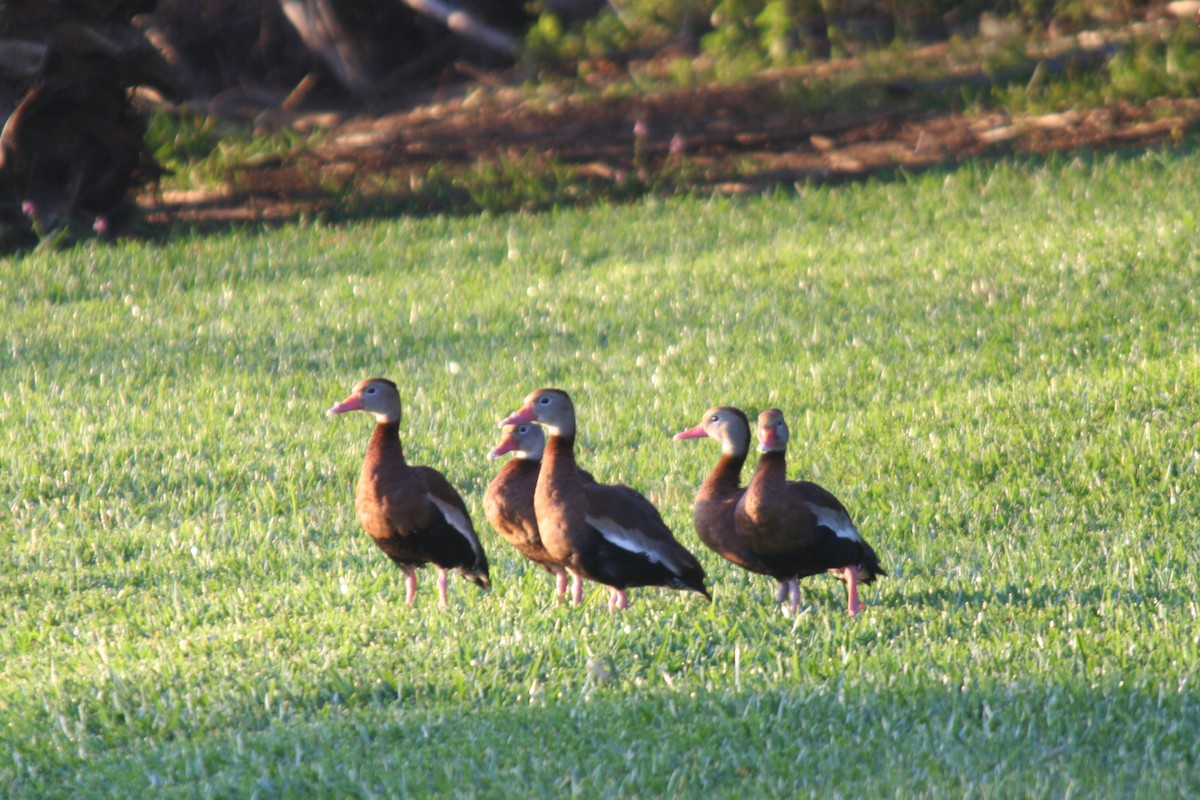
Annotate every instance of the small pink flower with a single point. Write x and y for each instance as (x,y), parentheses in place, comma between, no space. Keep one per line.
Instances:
(29,209)
(100,226)
(678,143)
(640,129)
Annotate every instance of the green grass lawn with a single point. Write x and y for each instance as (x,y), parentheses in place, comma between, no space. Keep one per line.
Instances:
(995,367)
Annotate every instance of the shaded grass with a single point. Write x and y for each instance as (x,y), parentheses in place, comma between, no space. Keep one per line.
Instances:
(1023,75)
(993,366)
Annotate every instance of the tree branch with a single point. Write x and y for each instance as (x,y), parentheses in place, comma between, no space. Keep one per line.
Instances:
(466,25)
(324,35)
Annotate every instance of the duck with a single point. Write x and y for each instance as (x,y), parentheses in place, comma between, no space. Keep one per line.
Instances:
(413,513)
(508,501)
(607,533)
(714,508)
(799,528)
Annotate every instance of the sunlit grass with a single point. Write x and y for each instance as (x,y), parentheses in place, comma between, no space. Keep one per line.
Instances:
(995,367)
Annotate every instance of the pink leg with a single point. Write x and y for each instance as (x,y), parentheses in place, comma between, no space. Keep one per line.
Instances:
(576,587)
(410,581)
(794,594)
(560,583)
(853,605)
(617,599)
(441,584)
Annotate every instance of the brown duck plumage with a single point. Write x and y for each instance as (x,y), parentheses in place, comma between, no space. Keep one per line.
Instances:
(508,502)
(716,501)
(797,528)
(610,534)
(413,513)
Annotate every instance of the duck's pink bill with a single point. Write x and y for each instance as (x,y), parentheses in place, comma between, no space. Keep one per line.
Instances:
(518,417)
(697,432)
(507,445)
(349,404)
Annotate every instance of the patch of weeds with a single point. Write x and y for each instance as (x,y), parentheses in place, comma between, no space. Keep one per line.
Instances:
(513,184)
(1155,67)
(529,183)
(563,48)
(496,186)
(200,150)
(1147,67)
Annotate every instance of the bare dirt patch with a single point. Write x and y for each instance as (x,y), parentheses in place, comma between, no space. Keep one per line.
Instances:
(734,140)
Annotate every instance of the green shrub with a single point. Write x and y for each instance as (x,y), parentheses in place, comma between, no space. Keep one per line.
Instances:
(1156,67)
(740,35)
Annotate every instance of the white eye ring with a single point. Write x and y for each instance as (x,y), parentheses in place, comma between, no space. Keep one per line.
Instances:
(523,429)
(371,390)
(544,400)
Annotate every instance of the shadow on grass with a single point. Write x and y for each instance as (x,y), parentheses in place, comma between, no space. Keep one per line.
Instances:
(775,132)
(558,186)
(828,123)
(913,737)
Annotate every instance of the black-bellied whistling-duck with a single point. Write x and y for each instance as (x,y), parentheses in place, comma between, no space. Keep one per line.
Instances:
(412,513)
(609,534)
(798,528)
(508,503)
(717,499)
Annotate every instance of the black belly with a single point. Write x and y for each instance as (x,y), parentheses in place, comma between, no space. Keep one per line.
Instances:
(604,562)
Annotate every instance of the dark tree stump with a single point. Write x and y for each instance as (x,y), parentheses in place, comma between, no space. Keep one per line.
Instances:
(72,149)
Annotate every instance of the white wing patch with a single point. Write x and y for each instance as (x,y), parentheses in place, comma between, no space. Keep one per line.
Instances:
(457,519)
(836,521)
(632,540)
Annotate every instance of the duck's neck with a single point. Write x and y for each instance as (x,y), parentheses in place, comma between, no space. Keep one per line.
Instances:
(558,496)
(726,476)
(559,456)
(771,469)
(524,466)
(385,444)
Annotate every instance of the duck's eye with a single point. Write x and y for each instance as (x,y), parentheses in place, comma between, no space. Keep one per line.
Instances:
(544,400)
(371,390)
(523,429)
(714,418)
